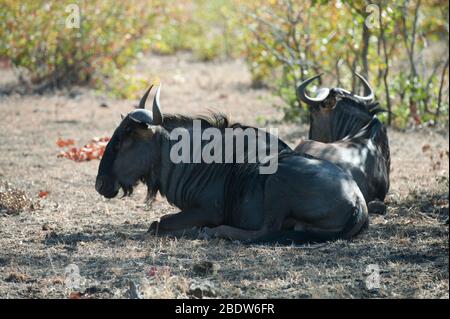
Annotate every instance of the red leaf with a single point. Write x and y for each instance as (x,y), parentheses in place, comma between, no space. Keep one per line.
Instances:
(43,194)
(93,150)
(152,271)
(61,142)
(75,295)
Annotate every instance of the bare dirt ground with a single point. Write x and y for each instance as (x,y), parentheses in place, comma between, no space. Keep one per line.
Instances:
(73,225)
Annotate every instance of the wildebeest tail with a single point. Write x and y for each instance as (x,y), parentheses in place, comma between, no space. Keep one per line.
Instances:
(375,128)
(376,132)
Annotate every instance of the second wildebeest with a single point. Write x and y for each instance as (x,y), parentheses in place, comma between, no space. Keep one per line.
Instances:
(345,130)
(306,200)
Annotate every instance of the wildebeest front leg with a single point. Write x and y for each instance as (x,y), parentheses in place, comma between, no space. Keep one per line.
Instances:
(377,207)
(184,222)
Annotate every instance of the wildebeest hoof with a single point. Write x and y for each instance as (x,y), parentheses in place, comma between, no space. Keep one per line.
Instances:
(153,229)
(206,233)
(377,207)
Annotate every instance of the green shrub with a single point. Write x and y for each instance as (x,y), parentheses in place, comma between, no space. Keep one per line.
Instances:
(288,41)
(282,41)
(47,53)
(209,29)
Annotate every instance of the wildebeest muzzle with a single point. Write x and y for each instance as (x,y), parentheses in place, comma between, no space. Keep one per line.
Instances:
(107,186)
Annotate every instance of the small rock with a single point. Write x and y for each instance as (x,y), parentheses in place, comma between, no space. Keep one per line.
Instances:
(426,147)
(204,268)
(202,289)
(46,227)
(104,105)
(377,207)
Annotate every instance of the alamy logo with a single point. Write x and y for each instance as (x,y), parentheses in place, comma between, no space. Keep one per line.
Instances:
(73,278)
(373,278)
(234,145)
(372,20)
(73,19)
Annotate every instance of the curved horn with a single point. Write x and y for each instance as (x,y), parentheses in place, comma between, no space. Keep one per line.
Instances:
(157,115)
(144,98)
(367,87)
(310,100)
(342,91)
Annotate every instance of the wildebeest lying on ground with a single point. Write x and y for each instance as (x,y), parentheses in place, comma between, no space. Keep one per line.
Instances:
(305,200)
(344,130)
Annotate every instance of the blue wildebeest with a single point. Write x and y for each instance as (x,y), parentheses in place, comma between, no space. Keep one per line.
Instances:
(304,200)
(345,130)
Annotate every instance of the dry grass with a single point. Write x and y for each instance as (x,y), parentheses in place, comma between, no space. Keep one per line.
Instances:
(74,225)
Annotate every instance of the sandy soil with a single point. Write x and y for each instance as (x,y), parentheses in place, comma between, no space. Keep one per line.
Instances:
(75,229)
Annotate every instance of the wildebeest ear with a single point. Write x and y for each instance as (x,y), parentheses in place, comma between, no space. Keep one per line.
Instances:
(122,116)
(375,110)
(329,103)
(157,114)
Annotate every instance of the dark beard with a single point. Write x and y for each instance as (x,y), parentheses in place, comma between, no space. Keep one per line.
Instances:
(152,186)
(127,189)
(152,190)
(151,194)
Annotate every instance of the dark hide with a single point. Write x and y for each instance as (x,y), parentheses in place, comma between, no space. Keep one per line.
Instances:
(303,198)
(346,132)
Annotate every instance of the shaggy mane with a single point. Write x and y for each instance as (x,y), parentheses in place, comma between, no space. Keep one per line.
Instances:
(218,120)
(349,103)
(350,115)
